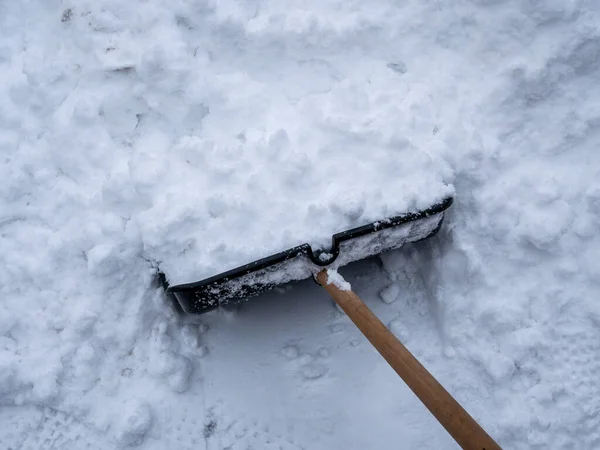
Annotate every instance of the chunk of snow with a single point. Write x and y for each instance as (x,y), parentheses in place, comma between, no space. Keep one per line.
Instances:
(400,330)
(290,352)
(313,372)
(333,277)
(133,422)
(390,293)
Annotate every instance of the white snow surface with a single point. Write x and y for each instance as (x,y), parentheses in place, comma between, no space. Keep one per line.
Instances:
(194,136)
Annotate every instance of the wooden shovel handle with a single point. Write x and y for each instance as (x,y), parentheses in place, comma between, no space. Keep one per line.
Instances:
(461,426)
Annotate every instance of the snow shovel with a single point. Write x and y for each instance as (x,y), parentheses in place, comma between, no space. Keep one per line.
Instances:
(303,262)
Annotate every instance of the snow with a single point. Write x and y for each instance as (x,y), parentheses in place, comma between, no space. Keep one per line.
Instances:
(196,136)
(135,423)
(333,277)
(390,293)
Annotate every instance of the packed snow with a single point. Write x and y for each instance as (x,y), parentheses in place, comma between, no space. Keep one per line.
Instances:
(192,137)
(333,277)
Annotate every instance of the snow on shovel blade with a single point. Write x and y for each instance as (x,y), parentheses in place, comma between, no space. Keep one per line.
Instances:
(302,262)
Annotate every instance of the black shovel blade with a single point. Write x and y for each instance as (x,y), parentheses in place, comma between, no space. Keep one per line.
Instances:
(302,262)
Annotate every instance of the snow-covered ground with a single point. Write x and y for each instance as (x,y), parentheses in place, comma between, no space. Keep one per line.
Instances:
(193,135)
